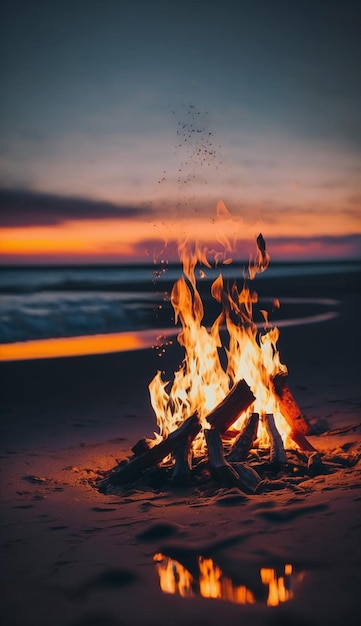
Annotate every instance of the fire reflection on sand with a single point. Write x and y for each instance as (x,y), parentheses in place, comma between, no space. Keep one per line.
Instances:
(265,585)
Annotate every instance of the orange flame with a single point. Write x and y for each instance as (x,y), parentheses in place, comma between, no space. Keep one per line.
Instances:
(201,381)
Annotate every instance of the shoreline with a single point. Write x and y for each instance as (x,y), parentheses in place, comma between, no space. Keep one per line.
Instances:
(303,299)
(69,306)
(108,343)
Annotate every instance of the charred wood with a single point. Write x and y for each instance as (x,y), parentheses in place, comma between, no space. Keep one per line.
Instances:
(155,455)
(245,440)
(141,446)
(182,455)
(220,469)
(240,475)
(277,454)
(226,412)
(249,478)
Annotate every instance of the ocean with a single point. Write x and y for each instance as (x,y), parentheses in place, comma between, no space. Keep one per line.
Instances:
(55,302)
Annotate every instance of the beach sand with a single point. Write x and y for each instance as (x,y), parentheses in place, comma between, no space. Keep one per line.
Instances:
(72,556)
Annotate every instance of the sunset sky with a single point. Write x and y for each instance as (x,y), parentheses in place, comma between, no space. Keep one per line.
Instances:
(125,122)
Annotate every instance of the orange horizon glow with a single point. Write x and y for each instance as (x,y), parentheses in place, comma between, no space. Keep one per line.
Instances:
(120,239)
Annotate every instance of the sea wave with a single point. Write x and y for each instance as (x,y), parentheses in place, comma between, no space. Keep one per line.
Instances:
(27,280)
(41,316)
(42,303)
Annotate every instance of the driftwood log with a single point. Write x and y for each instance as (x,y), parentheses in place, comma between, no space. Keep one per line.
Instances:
(277,454)
(155,455)
(250,479)
(301,441)
(238,475)
(226,412)
(141,446)
(289,407)
(220,469)
(182,455)
(245,439)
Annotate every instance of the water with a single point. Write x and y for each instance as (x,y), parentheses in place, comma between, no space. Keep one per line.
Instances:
(41,303)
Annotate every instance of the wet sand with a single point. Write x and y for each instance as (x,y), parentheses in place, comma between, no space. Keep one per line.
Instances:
(72,556)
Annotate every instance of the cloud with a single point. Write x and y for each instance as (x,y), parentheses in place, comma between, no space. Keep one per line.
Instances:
(309,248)
(24,208)
(324,240)
(280,248)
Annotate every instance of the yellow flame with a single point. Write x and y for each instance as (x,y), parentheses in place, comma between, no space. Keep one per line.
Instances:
(201,381)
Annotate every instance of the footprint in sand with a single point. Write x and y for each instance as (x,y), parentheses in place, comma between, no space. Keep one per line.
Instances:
(101,509)
(288,514)
(106,580)
(158,531)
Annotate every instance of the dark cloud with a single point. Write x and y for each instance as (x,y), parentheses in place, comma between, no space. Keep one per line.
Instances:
(323,239)
(328,247)
(31,208)
(349,246)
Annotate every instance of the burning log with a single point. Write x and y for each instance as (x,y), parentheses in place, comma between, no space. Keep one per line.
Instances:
(250,479)
(245,440)
(238,475)
(226,412)
(277,454)
(220,469)
(289,407)
(141,446)
(136,466)
(301,441)
(182,455)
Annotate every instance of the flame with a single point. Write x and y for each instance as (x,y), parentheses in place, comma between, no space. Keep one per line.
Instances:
(278,590)
(213,584)
(216,358)
(173,577)
(209,581)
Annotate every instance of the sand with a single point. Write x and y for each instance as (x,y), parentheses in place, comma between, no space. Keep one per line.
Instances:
(72,556)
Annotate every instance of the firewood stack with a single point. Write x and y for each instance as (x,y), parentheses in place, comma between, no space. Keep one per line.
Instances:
(224,463)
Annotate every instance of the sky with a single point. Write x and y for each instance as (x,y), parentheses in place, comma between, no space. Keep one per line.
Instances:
(127,126)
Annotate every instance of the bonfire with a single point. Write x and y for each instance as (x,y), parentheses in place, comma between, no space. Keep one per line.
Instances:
(228,415)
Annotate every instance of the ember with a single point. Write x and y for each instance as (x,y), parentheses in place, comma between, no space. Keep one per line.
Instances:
(229,401)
